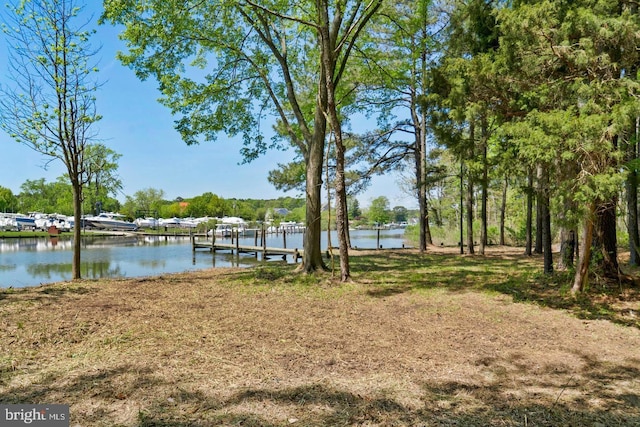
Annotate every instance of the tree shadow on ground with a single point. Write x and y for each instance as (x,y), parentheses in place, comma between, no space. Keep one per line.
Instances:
(519,277)
(45,293)
(513,397)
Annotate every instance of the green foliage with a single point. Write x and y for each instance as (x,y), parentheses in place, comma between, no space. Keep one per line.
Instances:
(399,214)
(298,215)
(287,177)
(102,183)
(209,204)
(353,207)
(8,202)
(39,196)
(378,211)
(147,202)
(198,52)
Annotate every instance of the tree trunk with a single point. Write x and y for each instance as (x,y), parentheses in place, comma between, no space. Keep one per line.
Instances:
(461,243)
(342,224)
(567,249)
(503,209)
(546,233)
(419,119)
(567,236)
(632,218)
(632,202)
(76,273)
(329,64)
(421,190)
(606,240)
(484,240)
(427,228)
(469,198)
(529,220)
(469,213)
(312,256)
(539,211)
(582,272)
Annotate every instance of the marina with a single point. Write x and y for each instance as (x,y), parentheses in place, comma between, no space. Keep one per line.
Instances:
(34,261)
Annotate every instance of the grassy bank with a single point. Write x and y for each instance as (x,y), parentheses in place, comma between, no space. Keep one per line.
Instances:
(433,339)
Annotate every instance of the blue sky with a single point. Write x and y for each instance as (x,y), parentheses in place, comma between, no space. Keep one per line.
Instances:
(141,130)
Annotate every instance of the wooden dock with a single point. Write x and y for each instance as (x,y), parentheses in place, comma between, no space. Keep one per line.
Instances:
(210,243)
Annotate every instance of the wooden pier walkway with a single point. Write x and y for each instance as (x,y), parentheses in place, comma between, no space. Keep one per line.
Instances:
(210,243)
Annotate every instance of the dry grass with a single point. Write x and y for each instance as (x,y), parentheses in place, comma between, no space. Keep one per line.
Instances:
(424,340)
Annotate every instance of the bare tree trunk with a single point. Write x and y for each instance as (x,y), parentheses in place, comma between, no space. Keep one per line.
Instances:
(427,227)
(539,213)
(469,198)
(328,43)
(546,231)
(529,224)
(419,119)
(484,193)
(567,238)
(567,249)
(503,209)
(461,243)
(76,272)
(469,213)
(421,189)
(632,199)
(312,256)
(606,240)
(342,223)
(582,272)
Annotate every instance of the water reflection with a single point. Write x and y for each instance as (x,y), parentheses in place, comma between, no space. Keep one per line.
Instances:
(31,261)
(5,267)
(154,263)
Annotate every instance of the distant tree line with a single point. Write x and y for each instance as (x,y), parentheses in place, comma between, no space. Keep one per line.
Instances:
(55,197)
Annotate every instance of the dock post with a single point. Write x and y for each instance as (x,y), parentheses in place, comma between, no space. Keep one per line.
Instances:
(284,238)
(255,241)
(378,240)
(237,241)
(261,235)
(193,243)
(264,246)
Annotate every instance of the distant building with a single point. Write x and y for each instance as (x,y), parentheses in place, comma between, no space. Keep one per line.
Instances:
(275,212)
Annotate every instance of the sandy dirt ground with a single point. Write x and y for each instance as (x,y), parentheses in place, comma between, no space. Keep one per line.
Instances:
(262,347)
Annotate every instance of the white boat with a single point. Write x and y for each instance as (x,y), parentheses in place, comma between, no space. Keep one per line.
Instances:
(45,221)
(110,221)
(169,222)
(147,222)
(8,222)
(24,221)
(236,223)
(188,223)
(222,230)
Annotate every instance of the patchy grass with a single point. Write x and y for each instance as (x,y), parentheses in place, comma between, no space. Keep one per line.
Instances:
(415,339)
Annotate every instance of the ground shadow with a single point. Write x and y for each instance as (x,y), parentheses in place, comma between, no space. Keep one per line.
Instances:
(44,293)
(519,277)
(322,404)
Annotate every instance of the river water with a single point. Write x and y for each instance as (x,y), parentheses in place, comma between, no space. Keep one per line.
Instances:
(33,261)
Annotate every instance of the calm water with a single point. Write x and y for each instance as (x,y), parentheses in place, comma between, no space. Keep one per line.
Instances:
(33,261)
